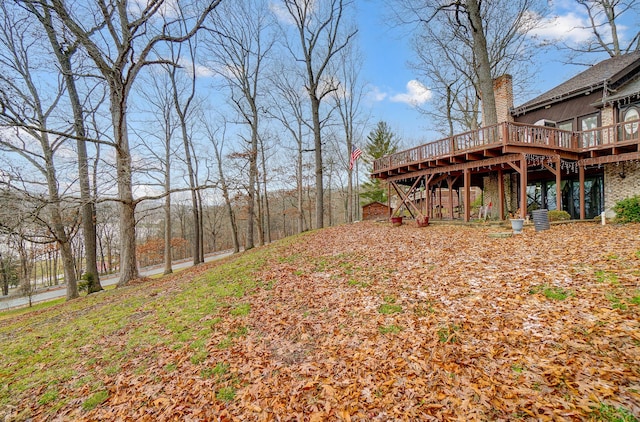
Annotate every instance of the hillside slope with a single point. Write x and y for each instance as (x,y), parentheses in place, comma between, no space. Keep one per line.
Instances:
(358,322)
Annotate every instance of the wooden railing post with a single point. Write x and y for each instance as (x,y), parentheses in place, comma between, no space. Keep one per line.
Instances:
(505,133)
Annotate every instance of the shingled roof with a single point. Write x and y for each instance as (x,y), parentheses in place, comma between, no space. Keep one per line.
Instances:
(610,70)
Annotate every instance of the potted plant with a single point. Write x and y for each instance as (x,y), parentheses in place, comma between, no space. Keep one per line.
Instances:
(396,220)
(422,221)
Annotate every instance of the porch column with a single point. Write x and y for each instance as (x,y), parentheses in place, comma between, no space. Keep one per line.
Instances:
(440,201)
(558,183)
(389,199)
(427,195)
(450,184)
(523,186)
(467,195)
(501,193)
(581,183)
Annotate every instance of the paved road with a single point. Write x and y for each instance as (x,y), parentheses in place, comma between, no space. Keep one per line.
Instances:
(8,302)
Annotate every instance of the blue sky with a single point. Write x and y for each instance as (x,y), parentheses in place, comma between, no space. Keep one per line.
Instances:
(393,84)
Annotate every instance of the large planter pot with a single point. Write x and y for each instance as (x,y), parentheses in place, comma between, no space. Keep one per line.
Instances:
(517,224)
(422,221)
(396,221)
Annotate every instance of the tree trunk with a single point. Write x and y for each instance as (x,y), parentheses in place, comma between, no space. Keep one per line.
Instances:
(128,262)
(227,201)
(485,79)
(167,211)
(300,190)
(265,196)
(317,142)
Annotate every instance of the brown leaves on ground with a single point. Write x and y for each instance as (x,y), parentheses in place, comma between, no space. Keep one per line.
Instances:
(372,322)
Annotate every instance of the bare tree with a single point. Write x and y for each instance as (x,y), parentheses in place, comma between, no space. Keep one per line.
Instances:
(604,24)
(218,148)
(242,38)
(183,88)
(119,44)
(64,50)
(321,33)
(347,100)
(159,96)
(288,107)
(483,40)
(28,106)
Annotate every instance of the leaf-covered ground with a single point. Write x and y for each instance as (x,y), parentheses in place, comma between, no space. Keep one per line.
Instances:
(359,322)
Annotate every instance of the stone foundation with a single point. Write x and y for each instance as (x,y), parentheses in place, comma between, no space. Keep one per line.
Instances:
(621,180)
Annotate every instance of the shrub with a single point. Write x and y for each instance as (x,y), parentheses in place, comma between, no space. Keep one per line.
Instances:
(628,210)
(558,215)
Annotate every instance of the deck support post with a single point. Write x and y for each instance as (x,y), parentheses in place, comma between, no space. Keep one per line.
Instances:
(581,183)
(427,195)
(450,181)
(389,199)
(557,171)
(558,183)
(501,193)
(467,194)
(523,186)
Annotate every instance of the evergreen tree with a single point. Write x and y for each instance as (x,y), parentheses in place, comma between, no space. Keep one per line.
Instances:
(381,141)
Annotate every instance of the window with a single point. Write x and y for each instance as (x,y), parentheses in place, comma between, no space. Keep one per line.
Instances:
(568,125)
(631,129)
(565,138)
(590,136)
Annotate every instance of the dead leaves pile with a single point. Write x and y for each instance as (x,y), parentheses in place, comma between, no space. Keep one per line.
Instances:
(372,322)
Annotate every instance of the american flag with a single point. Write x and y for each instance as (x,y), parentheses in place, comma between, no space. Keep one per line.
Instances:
(355,153)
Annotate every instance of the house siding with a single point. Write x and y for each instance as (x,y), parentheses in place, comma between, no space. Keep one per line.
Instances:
(570,109)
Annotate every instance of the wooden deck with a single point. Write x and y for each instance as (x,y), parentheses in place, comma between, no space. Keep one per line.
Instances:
(503,148)
(497,145)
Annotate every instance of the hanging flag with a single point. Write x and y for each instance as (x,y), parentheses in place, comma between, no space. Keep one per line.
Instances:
(355,153)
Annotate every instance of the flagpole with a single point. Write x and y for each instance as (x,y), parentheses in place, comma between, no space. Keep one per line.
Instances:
(357,198)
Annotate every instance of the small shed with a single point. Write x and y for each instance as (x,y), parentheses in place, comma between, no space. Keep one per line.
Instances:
(374,211)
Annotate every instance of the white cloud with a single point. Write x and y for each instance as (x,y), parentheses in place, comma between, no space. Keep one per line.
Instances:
(281,13)
(201,71)
(417,94)
(375,95)
(571,28)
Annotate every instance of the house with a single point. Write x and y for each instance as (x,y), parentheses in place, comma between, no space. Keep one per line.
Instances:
(576,147)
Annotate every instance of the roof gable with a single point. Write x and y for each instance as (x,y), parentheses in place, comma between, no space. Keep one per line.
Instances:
(611,70)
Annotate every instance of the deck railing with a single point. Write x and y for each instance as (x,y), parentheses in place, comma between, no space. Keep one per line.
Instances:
(609,136)
(513,134)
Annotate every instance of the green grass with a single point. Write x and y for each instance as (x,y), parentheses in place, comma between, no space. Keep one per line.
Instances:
(95,400)
(551,292)
(448,333)
(616,302)
(48,397)
(388,308)
(357,283)
(389,329)
(606,276)
(60,341)
(518,369)
(26,310)
(241,309)
(226,394)
(608,413)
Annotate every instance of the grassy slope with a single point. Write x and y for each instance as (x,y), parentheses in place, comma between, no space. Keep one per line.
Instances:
(359,322)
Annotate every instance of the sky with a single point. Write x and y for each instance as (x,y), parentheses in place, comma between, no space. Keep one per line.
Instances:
(394,88)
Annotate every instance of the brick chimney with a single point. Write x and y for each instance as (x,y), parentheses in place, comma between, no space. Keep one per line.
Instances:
(503,92)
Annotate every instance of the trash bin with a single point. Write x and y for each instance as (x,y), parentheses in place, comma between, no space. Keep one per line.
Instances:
(540,219)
